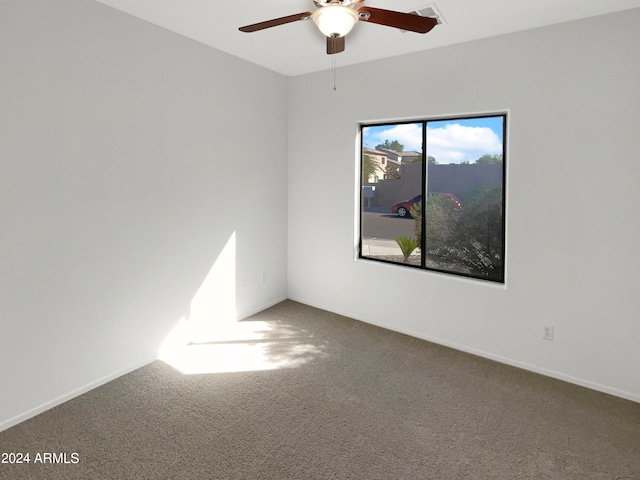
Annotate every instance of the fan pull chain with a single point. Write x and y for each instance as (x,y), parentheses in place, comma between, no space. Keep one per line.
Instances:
(333,70)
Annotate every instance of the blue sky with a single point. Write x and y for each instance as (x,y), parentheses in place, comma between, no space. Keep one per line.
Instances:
(448,141)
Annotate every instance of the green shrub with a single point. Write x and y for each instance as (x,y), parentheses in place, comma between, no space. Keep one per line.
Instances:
(480,230)
(468,239)
(416,214)
(441,221)
(475,239)
(407,245)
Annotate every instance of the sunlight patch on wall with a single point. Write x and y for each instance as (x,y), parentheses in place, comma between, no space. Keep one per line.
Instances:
(214,303)
(212,308)
(212,340)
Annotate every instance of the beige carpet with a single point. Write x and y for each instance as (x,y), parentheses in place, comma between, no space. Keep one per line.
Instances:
(327,397)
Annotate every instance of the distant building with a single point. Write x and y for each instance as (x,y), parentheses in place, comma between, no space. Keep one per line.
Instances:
(400,157)
(384,164)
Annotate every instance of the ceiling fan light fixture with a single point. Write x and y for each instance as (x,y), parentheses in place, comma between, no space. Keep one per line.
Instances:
(335,20)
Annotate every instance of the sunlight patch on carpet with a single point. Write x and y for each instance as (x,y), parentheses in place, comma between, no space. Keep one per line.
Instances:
(225,357)
(212,340)
(244,346)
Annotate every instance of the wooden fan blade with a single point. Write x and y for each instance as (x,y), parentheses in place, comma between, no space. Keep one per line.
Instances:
(335,45)
(275,22)
(401,20)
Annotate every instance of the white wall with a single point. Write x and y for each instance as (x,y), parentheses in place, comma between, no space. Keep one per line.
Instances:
(573,98)
(117,196)
(117,193)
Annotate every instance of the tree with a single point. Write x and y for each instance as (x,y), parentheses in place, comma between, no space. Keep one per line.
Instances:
(369,168)
(489,159)
(395,145)
(392,173)
(418,159)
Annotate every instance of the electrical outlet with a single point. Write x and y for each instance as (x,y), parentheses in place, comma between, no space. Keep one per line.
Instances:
(263,278)
(547,332)
(243,286)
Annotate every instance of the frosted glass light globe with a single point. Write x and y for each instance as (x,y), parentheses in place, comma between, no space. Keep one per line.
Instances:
(335,20)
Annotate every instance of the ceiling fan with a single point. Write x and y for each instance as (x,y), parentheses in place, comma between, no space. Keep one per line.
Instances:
(336,18)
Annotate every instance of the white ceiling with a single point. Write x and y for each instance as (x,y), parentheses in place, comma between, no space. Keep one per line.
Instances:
(298,48)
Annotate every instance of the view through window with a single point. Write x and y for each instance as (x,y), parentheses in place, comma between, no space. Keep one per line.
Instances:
(433,195)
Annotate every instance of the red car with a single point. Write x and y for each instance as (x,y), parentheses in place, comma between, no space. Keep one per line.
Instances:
(402,209)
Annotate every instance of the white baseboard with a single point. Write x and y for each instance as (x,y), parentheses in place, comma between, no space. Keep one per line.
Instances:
(90,386)
(497,358)
(533,368)
(253,311)
(69,396)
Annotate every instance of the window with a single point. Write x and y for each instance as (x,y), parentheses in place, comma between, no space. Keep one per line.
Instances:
(443,209)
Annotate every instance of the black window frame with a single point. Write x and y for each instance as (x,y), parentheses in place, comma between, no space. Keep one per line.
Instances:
(424,122)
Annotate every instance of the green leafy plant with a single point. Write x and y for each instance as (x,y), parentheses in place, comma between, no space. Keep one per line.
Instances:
(470,239)
(407,245)
(416,214)
(441,218)
(479,231)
